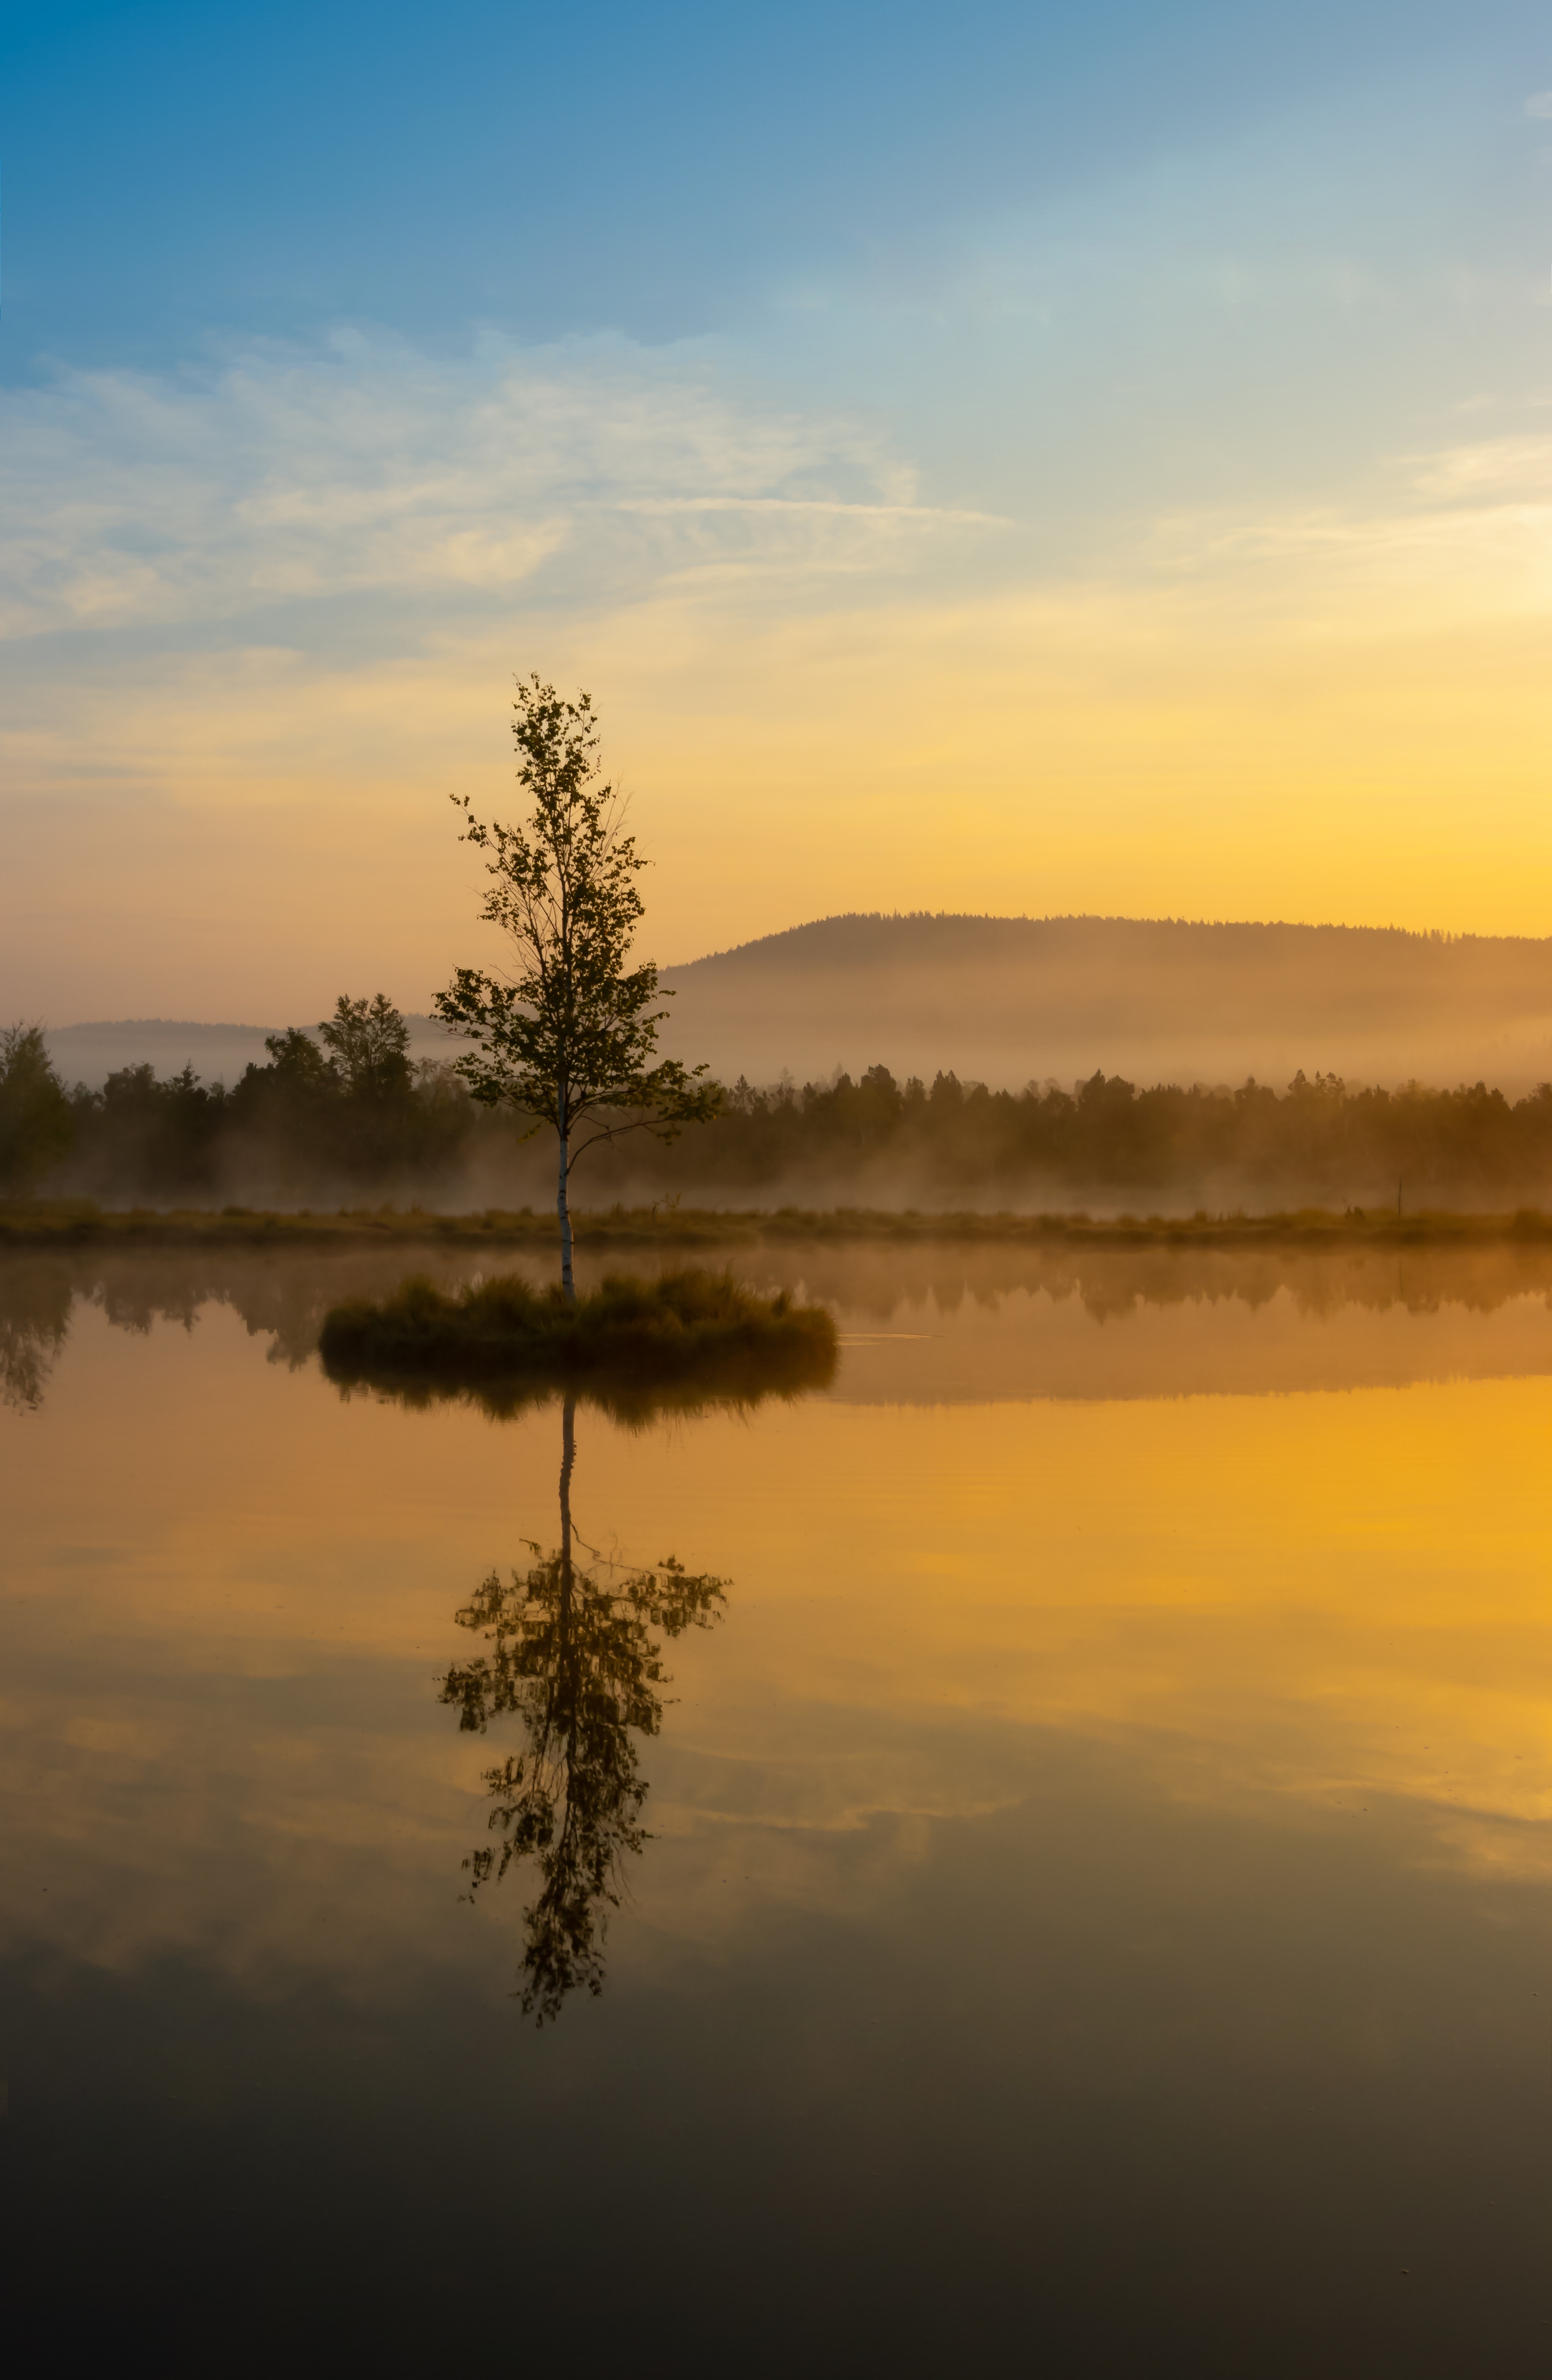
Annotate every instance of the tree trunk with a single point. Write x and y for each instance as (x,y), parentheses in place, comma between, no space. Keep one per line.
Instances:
(562,1209)
(568,1459)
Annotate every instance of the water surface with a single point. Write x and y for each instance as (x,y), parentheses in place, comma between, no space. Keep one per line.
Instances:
(1088,1908)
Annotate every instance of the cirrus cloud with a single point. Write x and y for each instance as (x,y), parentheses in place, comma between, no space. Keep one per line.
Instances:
(278,477)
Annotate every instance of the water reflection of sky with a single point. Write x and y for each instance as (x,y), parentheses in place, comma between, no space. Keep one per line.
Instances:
(1098,1856)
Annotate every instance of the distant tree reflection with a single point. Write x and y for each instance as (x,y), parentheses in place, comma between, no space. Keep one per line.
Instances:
(573,1653)
(35,1300)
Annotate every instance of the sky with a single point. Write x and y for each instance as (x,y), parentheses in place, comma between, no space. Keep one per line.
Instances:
(1009,459)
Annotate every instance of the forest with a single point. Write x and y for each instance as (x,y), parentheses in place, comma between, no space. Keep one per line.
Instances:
(342,1113)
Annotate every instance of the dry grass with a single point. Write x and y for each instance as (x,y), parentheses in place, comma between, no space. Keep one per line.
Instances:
(74,1222)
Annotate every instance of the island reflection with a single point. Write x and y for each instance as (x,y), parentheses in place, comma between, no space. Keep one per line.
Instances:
(1198,1296)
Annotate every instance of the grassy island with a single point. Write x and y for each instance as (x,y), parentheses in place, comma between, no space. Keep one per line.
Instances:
(693,1326)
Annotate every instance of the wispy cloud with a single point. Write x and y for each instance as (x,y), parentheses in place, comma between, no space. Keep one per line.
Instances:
(1462,535)
(278,478)
(292,588)
(1539,104)
(929,515)
(1516,470)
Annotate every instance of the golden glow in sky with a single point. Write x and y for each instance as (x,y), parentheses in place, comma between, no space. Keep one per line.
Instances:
(1164,532)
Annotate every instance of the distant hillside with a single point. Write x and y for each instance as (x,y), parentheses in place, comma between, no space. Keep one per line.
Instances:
(89,1053)
(1008,999)
(1011,999)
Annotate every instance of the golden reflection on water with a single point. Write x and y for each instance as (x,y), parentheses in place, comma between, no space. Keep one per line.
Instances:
(230,1596)
(1336,1596)
(570,1647)
(952,1321)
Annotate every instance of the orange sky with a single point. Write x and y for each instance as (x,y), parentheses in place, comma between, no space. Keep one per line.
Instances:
(1336,721)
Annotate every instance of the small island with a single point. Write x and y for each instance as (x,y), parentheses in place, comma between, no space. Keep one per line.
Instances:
(691,1328)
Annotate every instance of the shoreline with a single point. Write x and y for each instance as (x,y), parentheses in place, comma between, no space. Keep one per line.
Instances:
(82,1223)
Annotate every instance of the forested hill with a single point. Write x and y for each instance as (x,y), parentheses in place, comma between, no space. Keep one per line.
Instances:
(1011,999)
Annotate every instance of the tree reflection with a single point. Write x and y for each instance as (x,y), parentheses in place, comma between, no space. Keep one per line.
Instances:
(35,1300)
(575,1654)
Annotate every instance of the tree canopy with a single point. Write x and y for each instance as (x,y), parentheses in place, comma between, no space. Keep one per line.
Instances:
(36,1124)
(569,1037)
(368,1041)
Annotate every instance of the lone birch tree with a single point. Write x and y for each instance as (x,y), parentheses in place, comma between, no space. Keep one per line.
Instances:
(569,1037)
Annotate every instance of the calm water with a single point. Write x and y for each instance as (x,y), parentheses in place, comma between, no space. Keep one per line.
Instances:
(1094,1910)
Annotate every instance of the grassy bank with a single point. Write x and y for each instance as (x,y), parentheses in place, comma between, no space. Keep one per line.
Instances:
(692,1326)
(80,1222)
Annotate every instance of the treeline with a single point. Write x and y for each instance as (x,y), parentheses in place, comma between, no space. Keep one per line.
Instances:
(347,1110)
(346,1115)
(959,1140)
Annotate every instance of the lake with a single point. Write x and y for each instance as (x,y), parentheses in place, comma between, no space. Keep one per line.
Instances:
(1086,1911)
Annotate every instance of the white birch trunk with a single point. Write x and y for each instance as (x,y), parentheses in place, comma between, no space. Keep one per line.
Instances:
(563,1208)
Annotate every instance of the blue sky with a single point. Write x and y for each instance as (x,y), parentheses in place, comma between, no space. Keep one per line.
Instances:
(661,172)
(351,358)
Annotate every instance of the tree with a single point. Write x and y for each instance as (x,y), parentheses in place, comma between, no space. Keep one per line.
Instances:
(298,1065)
(158,1136)
(370,1044)
(36,1121)
(569,1038)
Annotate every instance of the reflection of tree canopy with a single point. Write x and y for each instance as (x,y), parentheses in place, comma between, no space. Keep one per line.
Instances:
(34,1325)
(573,1654)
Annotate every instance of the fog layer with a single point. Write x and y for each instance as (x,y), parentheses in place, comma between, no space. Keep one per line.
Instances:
(929,1062)
(1004,1000)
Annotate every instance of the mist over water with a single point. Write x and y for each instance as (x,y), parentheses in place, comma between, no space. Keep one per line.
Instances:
(1109,1804)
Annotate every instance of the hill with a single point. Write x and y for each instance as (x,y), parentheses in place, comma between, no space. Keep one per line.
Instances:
(89,1053)
(1008,999)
